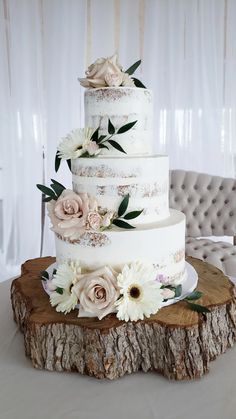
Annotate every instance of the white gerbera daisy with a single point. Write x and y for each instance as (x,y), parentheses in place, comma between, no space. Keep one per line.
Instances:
(141,293)
(66,277)
(74,144)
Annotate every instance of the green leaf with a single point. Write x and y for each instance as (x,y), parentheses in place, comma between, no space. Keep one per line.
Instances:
(103,146)
(138,83)
(69,163)
(126,127)
(122,224)
(178,291)
(85,154)
(58,188)
(57,183)
(111,128)
(47,199)
(54,271)
(59,290)
(44,275)
(132,214)
(195,295)
(197,307)
(101,138)
(133,67)
(57,162)
(95,135)
(123,205)
(117,146)
(47,191)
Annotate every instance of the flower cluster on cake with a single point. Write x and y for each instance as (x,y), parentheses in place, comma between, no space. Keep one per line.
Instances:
(119,247)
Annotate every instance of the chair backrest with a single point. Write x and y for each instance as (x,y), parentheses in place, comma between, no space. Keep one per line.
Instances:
(209,202)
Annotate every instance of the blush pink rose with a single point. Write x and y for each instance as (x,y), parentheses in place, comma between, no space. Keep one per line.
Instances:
(69,213)
(114,79)
(92,148)
(167,293)
(107,218)
(97,292)
(94,220)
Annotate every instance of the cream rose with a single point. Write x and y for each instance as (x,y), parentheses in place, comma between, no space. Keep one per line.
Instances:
(69,213)
(97,292)
(103,72)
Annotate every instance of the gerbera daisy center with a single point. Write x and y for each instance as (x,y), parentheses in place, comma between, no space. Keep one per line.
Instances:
(135,292)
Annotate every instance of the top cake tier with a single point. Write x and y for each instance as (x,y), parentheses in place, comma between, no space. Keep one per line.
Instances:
(122,105)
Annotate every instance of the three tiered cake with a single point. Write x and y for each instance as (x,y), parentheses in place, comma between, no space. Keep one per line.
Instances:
(119,247)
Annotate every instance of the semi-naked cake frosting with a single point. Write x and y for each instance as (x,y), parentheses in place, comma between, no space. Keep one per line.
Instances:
(122,105)
(159,236)
(119,248)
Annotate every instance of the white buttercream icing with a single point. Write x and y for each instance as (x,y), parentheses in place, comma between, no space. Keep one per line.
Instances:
(160,243)
(145,179)
(122,105)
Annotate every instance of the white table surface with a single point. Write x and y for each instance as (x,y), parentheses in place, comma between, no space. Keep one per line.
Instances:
(26,393)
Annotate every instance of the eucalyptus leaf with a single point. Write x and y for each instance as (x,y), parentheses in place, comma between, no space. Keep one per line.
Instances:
(132,214)
(138,83)
(123,205)
(59,290)
(95,135)
(57,183)
(116,146)
(100,139)
(103,146)
(69,163)
(133,67)
(178,291)
(58,189)
(197,307)
(122,224)
(57,162)
(47,199)
(195,295)
(44,275)
(47,191)
(126,127)
(85,154)
(111,128)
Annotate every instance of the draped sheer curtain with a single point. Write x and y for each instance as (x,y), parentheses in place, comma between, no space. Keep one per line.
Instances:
(189,60)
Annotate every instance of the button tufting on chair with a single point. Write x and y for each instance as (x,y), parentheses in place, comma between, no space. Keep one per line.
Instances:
(203,198)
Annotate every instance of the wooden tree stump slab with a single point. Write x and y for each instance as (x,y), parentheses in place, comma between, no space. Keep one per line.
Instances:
(176,342)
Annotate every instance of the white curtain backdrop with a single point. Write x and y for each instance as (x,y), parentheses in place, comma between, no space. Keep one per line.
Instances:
(189,60)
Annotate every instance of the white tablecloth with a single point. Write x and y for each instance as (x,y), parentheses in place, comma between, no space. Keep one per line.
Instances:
(26,393)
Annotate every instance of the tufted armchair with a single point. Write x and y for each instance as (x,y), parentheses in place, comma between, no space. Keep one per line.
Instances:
(209,203)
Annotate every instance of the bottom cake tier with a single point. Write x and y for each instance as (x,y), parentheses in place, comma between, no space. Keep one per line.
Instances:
(161,243)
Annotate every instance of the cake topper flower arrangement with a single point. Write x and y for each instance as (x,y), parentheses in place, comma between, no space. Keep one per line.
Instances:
(107,72)
(88,142)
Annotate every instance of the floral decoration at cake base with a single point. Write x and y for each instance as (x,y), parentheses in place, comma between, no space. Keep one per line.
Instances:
(176,342)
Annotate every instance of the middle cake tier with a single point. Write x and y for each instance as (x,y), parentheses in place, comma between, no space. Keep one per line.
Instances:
(109,179)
